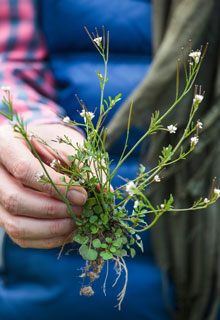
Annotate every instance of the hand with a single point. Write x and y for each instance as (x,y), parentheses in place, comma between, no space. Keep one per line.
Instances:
(30,212)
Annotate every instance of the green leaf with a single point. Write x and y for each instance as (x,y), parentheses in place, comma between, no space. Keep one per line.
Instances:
(142,168)
(132,252)
(138,237)
(106,255)
(117,243)
(104,245)
(108,239)
(140,245)
(63,179)
(104,218)
(83,249)
(96,243)
(90,202)
(93,229)
(71,158)
(80,239)
(118,233)
(93,219)
(170,201)
(88,253)
(97,209)
(113,249)
(87,212)
(121,253)
(124,240)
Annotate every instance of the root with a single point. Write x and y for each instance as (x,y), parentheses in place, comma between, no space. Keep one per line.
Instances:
(120,263)
(106,277)
(87,291)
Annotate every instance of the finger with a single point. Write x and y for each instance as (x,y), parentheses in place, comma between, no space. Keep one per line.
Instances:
(21,163)
(19,200)
(19,227)
(41,244)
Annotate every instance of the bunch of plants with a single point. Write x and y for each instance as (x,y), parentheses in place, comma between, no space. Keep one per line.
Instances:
(107,230)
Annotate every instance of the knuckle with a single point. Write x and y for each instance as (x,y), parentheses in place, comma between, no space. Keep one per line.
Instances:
(10,202)
(55,228)
(50,210)
(20,169)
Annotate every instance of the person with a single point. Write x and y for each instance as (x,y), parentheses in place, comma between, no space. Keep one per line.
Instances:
(33,284)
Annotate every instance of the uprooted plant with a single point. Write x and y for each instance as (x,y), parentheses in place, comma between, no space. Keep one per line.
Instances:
(107,230)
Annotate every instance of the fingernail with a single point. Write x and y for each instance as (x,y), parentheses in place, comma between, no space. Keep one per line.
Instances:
(77,198)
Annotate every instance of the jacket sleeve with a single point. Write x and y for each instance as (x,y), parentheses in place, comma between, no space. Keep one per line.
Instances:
(23,63)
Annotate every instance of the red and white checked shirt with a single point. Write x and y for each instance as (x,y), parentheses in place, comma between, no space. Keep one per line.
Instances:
(23,62)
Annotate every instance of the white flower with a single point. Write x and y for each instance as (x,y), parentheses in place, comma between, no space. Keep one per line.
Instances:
(98,41)
(136,204)
(157,178)
(199,125)
(171,128)
(162,206)
(195,55)
(217,192)
(39,176)
(198,98)
(194,141)
(131,188)
(87,115)
(206,200)
(6,88)
(54,163)
(66,120)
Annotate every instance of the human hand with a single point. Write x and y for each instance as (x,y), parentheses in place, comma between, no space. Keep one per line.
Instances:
(30,212)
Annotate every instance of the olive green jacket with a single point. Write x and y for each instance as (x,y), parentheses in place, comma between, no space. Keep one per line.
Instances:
(186,245)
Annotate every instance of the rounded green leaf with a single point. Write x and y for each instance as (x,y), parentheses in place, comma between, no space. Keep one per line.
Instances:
(104,218)
(118,233)
(94,229)
(108,239)
(106,255)
(83,249)
(121,253)
(87,212)
(113,249)
(88,253)
(96,243)
(93,219)
(80,239)
(91,255)
(97,209)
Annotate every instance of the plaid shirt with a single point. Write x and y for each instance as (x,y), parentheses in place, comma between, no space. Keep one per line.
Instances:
(23,62)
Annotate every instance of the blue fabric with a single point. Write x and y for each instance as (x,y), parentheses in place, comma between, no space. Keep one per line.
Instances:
(34,284)
(37,286)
